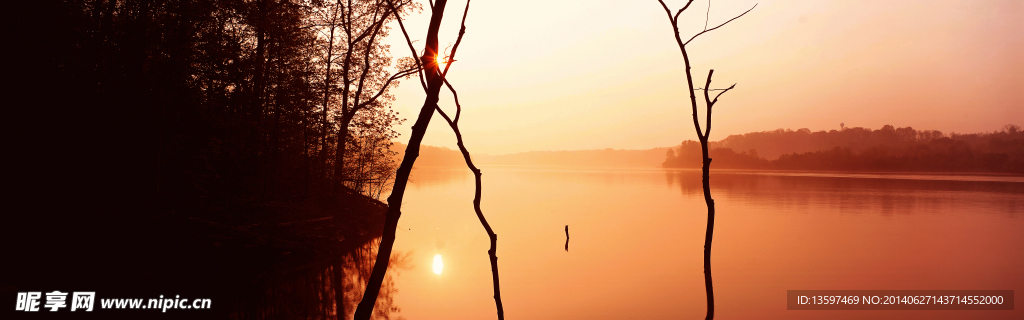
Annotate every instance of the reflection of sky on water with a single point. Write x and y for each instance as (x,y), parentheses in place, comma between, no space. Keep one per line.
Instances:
(432,176)
(638,234)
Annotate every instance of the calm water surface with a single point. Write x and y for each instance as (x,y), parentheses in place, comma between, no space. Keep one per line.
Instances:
(637,237)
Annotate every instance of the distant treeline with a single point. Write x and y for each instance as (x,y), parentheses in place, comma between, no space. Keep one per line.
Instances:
(862,149)
(441,156)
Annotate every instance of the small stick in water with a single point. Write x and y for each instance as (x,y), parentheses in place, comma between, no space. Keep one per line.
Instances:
(567,238)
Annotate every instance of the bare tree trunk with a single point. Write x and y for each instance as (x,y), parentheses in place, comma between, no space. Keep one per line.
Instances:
(339,150)
(434,83)
(339,153)
(492,252)
(708,234)
(703,137)
(705,182)
(349,110)
(706,168)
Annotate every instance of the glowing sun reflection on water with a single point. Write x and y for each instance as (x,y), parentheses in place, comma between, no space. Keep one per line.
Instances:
(438,264)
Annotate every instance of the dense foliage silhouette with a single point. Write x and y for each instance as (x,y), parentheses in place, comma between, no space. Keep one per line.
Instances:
(201,141)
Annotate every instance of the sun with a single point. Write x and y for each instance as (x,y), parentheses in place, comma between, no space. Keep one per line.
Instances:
(438,60)
(438,264)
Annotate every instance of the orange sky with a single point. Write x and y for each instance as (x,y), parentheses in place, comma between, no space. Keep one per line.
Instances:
(594,74)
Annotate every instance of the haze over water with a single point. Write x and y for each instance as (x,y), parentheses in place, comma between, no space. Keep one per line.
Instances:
(636,241)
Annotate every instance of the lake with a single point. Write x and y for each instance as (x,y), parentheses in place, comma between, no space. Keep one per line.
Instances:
(637,237)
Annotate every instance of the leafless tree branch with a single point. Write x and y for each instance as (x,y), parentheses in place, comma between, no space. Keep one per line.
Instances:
(396,76)
(723,92)
(711,103)
(674,20)
(366,59)
(458,107)
(492,252)
(701,89)
(676,16)
(707,15)
(462,31)
(719,26)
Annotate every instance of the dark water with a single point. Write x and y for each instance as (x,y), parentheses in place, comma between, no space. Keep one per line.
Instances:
(637,237)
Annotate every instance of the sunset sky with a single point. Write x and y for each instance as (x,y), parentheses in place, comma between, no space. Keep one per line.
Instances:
(594,74)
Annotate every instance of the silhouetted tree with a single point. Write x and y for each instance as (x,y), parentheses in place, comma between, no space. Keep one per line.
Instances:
(435,77)
(432,84)
(703,137)
(371,165)
(355,80)
(454,124)
(214,110)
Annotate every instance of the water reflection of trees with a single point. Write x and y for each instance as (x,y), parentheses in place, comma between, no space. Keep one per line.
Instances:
(308,291)
(253,262)
(357,267)
(889,195)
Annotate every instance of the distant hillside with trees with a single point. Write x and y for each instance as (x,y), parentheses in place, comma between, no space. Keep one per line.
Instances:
(441,156)
(862,149)
(584,158)
(850,149)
